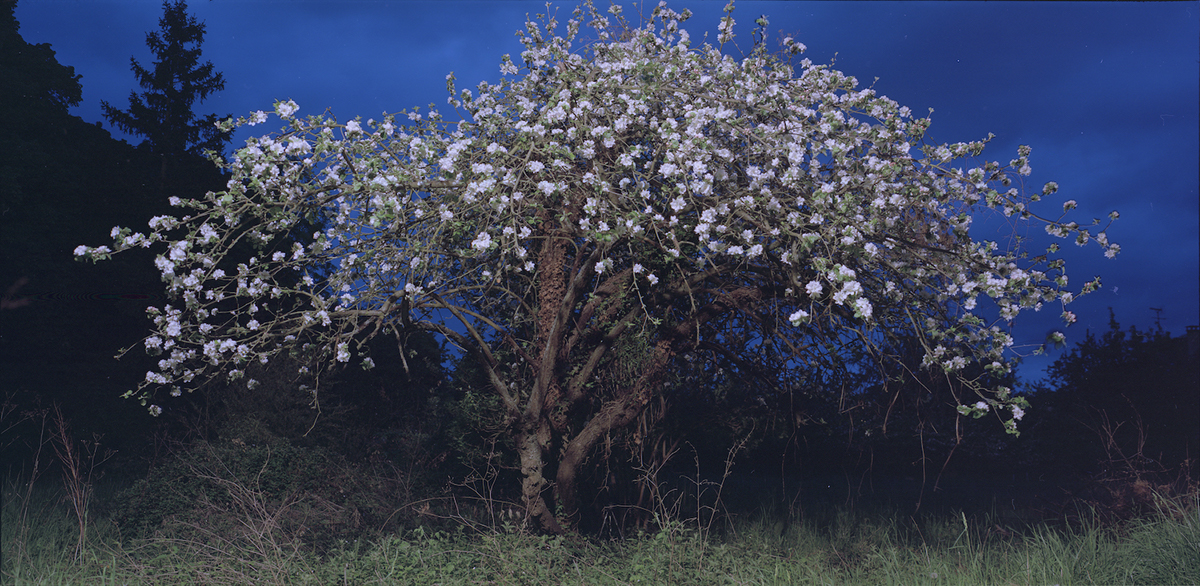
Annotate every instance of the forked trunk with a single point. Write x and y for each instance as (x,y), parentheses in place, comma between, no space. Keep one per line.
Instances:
(622,410)
(613,414)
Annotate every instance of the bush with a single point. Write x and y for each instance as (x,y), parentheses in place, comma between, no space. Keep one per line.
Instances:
(311,493)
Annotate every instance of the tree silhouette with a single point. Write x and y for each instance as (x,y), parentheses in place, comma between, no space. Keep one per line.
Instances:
(1135,390)
(33,77)
(163,113)
(61,177)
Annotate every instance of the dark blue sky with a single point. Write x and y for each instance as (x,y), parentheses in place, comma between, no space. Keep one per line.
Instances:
(1105,93)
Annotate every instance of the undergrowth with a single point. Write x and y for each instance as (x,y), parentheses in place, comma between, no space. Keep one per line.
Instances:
(254,532)
(242,512)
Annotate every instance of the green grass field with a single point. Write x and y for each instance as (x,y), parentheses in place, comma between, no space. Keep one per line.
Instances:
(831,545)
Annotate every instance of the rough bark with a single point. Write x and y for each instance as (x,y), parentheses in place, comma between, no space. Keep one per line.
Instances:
(552,289)
(535,436)
(531,444)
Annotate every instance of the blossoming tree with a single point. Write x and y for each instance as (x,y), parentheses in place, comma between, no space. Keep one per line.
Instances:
(639,185)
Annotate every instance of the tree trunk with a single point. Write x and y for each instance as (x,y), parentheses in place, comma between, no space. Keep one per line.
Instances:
(534,437)
(531,444)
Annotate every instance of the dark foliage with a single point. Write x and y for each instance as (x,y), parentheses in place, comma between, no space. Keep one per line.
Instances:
(63,182)
(1125,395)
(33,78)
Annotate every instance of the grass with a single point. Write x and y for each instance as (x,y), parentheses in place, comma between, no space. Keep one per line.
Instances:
(828,546)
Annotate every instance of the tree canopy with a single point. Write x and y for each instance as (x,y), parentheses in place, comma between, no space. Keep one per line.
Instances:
(163,113)
(619,202)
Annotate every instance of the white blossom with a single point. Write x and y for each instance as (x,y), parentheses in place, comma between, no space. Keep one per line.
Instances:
(286,109)
(482,242)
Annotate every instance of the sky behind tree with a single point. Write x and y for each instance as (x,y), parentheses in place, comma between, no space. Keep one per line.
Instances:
(1105,93)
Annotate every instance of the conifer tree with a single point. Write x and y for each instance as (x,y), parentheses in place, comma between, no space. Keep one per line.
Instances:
(163,113)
